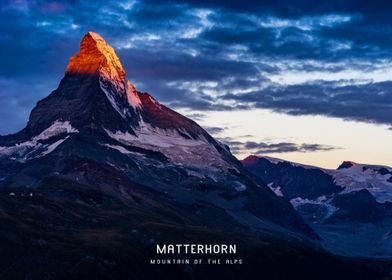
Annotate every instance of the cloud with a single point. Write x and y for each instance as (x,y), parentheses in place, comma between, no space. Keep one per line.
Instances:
(260,148)
(371,102)
(15,101)
(214,130)
(375,11)
(291,147)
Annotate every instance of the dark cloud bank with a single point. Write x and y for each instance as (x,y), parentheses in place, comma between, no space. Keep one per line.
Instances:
(206,55)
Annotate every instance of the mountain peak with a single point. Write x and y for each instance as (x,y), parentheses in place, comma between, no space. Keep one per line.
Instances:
(96,57)
(251,159)
(346,164)
(94,36)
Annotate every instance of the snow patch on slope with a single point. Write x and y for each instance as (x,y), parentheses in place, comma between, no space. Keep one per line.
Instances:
(133,98)
(111,97)
(240,187)
(34,148)
(153,136)
(175,144)
(113,94)
(277,190)
(57,128)
(53,146)
(123,150)
(322,201)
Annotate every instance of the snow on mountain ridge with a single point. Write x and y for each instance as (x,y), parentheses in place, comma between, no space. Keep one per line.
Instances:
(58,127)
(361,176)
(356,177)
(172,143)
(27,150)
(133,98)
(274,160)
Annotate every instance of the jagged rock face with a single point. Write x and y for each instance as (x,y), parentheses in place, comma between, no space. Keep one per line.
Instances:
(358,206)
(292,181)
(345,164)
(93,92)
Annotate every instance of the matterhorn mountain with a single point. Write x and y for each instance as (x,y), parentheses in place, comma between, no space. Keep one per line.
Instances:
(103,172)
(94,97)
(349,207)
(96,121)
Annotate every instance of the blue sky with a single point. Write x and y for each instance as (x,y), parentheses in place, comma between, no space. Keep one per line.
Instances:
(296,59)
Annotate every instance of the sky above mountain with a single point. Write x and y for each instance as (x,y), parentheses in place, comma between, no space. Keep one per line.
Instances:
(305,81)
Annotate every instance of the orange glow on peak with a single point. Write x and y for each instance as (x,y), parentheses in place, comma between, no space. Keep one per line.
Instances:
(96,57)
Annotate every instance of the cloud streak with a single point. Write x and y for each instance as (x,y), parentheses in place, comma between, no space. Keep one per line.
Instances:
(371,102)
(261,148)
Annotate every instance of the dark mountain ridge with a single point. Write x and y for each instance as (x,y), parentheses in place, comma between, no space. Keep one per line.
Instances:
(350,206)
